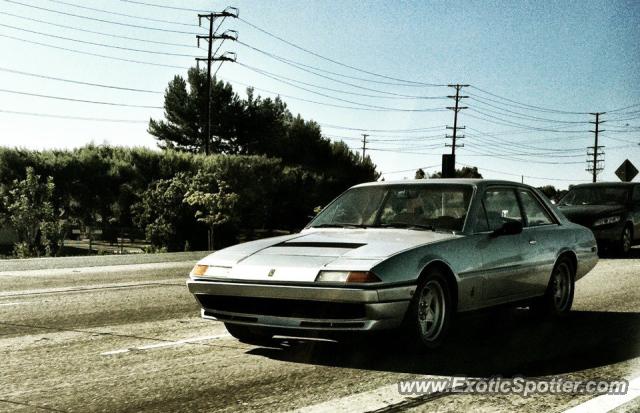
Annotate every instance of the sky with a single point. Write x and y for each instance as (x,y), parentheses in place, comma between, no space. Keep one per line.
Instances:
(535,71)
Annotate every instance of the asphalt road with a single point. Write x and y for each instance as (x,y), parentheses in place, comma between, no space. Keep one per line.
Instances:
(129,338)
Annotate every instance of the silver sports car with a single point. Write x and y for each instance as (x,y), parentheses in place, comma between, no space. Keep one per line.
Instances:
(405,254)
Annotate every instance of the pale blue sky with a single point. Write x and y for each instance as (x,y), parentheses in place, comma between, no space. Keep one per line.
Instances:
(580,56)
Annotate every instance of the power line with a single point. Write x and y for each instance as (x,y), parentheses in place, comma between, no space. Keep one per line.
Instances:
(308,100)
(519,125)
(97,102)
(18,72)
(96,44)
(99,20)
(302,66)
(533,107)
(526,176)
(162,6)
(386,108)
(404,81)
(67,49)
(51,115)
(391,94)
(137,39)
(330,126)
(520,115)
(123,14)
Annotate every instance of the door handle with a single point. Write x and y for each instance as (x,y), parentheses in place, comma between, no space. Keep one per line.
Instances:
(533,242)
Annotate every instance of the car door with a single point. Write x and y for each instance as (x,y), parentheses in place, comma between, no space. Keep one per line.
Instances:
(541,243)
(502,256)
(635,211)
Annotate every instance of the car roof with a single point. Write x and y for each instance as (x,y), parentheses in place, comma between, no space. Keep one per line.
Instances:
(605,184)
(440,181)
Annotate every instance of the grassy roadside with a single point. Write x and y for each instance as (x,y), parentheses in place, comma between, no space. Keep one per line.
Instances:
(98,260)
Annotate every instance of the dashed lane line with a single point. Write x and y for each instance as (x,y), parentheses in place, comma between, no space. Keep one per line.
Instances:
(165,344)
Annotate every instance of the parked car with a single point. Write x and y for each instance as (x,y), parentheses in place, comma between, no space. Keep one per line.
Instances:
(610,209)
(405,254)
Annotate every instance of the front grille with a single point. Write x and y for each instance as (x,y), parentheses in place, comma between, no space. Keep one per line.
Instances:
(282,307)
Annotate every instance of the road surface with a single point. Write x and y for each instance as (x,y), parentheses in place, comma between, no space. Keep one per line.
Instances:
(115,335)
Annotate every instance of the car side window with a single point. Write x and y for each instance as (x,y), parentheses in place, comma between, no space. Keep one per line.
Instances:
(501,205)
(535,213)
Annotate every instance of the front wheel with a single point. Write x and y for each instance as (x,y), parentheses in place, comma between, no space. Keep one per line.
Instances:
(258,336)
(626,241)
(430,313)
(558,298)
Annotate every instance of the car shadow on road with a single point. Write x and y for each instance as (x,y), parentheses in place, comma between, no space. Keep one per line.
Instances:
(504,343)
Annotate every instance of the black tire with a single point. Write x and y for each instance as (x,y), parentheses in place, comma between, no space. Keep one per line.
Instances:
(625,243)
(425,334)
(258,336)
(558,298)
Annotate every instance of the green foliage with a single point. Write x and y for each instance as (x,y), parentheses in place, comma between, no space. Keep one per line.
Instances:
(27,204)
(251,126)
(465,172)
(420,174)
(162,214)
(213,201)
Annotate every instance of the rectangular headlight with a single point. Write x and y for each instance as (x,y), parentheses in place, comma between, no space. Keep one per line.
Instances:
(347,277)
(606,221)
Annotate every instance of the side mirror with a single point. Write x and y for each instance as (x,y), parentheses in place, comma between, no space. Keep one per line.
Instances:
(508,228)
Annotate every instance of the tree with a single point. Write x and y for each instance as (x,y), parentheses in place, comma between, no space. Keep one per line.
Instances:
(465,172)
(28,206)
(214,203)
(163,215)
(420,174)
(185,105)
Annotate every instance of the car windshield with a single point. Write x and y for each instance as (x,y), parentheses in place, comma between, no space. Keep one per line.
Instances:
(435,206)
(596,195)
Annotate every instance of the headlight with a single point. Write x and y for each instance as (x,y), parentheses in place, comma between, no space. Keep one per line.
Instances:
(210,271)
(347,277)
(606,221)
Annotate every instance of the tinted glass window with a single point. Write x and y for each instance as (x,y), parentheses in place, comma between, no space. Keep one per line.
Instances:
(597,195)
(502,206)
(533,210)
(437,206)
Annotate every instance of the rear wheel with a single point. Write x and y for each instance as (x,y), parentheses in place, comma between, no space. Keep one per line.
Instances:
(626,241)
(558,298)
(431,311)
(259,336)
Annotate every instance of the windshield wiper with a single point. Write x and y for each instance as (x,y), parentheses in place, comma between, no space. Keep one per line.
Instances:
(407,226)
(339,226)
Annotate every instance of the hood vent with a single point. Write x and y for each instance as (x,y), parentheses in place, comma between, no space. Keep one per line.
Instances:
(345,245)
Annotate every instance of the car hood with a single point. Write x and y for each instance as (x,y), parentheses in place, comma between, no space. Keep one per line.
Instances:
(587,214)
(301,256)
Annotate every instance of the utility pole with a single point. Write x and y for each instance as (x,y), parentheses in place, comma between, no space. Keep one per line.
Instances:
(456,108)
(595,164)
(364,145)
(228,12)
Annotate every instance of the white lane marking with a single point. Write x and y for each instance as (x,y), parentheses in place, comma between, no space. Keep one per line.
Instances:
(99,269)
(86,288)
(8,304)
(608,402)
(166,344)
(372,400)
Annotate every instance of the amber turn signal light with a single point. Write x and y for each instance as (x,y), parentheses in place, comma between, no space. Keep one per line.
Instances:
(199,270)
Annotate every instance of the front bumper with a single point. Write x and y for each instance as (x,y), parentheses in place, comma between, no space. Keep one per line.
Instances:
(296,307)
